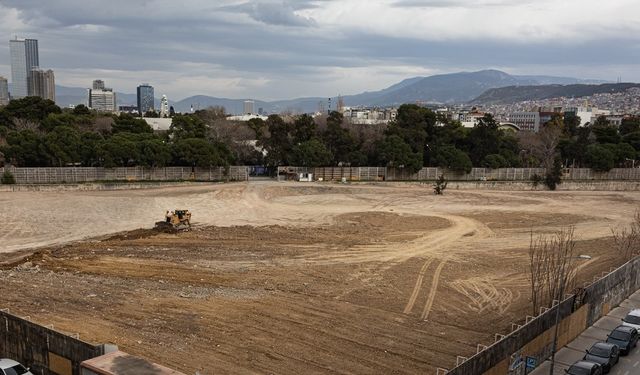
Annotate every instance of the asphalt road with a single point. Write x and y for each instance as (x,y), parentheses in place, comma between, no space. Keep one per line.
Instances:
(575,350)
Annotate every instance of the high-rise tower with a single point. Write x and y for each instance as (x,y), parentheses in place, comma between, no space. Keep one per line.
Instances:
(145,98)
(24,58)
(42,83)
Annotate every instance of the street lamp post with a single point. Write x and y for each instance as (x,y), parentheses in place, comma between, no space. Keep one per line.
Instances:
(557,321)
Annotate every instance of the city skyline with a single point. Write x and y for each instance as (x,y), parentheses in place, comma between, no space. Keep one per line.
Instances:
(282,49)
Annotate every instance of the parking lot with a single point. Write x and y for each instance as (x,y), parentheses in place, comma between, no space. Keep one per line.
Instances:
(598,332)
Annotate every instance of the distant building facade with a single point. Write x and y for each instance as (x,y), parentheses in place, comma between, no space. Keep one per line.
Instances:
(146,98)
(4,91)
(526,121)
(249,107)
(42,83)
(98,84)
(102,100)
(24,58)
(369,116)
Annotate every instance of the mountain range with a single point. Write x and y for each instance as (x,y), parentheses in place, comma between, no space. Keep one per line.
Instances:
(437,89)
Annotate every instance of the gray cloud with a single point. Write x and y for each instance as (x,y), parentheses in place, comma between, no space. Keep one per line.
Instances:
(275,49)
(275,13)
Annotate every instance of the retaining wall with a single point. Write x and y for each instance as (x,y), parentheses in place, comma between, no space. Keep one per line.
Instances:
(44,350)
(534,339)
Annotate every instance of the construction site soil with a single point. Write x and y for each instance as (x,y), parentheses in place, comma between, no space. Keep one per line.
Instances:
(285,278)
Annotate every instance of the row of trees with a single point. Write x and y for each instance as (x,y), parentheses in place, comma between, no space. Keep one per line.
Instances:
(35,132)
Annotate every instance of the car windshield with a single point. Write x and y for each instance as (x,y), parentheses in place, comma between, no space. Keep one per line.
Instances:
(15,370)
(574,370)
(599,352)
(632,319)
(617,335)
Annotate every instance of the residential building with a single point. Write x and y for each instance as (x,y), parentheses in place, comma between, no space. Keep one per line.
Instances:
(24,58)
(249,107)
(42,83)
(4,91)
(164,106)
(146,98)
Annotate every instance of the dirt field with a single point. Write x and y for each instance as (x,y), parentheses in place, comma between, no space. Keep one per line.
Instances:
(291,278)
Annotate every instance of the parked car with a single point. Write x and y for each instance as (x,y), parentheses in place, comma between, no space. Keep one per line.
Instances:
(632,319)
(11,367)
(605,354)
(584,368)
(625,337)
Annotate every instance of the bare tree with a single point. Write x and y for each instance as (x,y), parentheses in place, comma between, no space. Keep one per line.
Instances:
(552,267)
(26,124)
(542,145)
(627,240)
(537,256)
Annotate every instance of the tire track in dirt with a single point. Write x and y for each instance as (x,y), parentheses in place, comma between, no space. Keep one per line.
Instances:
(418,286)
(433,290)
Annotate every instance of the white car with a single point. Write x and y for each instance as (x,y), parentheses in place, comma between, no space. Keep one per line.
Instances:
(632,319)
(11,367)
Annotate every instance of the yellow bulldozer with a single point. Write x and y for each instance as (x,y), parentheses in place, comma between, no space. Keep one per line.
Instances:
(175,221)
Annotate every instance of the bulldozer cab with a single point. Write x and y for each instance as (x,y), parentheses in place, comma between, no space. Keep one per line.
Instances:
(179,220)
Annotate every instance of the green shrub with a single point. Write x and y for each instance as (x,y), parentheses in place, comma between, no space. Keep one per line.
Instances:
(8,178)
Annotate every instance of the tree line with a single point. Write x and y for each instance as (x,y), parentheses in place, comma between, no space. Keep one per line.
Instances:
(36,133)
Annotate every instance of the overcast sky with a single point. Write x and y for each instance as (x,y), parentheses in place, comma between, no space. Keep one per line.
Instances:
(284,49)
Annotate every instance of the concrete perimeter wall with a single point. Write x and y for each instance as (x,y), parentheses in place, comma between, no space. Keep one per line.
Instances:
(476,174)
(534,339)
(95,174)
(44,350)
(241,173)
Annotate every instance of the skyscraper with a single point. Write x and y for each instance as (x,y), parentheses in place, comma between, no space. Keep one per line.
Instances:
(145,98)
(42,83)
(24,57)
(4,91)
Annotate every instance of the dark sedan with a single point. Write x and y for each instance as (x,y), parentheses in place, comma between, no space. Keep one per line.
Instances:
(605,354)
(625,337)
(584,368)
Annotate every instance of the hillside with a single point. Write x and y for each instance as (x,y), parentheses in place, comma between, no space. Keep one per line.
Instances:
(443,88)
(514,94)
